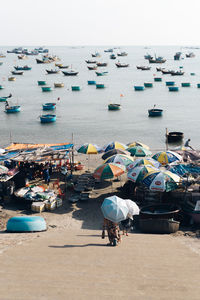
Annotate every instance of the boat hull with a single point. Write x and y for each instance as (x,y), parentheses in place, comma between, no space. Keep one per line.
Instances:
(155,112)
(47,118)
(174,136)
(114,106)
(13,109)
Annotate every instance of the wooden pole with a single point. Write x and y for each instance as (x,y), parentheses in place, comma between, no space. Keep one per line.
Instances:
(166,139)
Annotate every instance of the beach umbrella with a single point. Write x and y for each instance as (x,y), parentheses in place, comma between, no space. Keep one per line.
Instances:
(133,208)
(139,151)
(137,174)
(89,149)
(114,209)
(2,151)
(161,181)
(114,145)
(133,144)
(113,152)
(3,170)
(124,160)
(167,157)
(108,171)
(144,161)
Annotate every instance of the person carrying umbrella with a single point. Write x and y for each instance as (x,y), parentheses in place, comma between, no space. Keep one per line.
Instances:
(113,232)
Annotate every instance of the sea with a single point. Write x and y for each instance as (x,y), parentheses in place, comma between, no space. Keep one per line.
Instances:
(83,116)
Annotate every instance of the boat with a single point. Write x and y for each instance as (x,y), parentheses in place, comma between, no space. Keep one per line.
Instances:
(157,60)
(12,109)
(148,56)
(155,112)
(91,82)
(158,69)
(46,89)
(198,85)
(52,71)
(1,63)
(24,68)
(166,71)
(143,68)
(4,99)
(113,56)
(100,86)
(17,72)
(47,118)
(114,106)
(26,224)
(122,54)
(1,87)
(139,87)
(177,56)
(91,61)
(101,73)
(148,84)
(2,55)
(174,136)
(122,65)
(185,84)
(157,79)
(63,67)
(177,73)
(42,82)
(49,106)
(170,83)
(109,50)
(162,226)
(96,54)
(76,88)
(59,85)
(160,211)
(11,78)
(173,88)
(22,56)
(92,67)
(99,64)
(190,55)
(70,73)
(42,61)
(192,74)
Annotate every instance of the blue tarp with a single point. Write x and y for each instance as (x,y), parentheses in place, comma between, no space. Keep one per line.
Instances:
(182,169)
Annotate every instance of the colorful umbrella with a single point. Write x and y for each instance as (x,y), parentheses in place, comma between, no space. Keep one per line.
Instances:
(3,170)
(114,209)
(124,160)
(108,171)
(113,152)
(161,181)
(144,161)
(137,174)
(139,151)
(114,145)
(129,145)
(89,149)
(167,157)
(133,208)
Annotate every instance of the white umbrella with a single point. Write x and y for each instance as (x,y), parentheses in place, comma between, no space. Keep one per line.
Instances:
(133,208)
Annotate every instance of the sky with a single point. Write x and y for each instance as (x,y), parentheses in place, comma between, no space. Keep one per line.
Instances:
(100,22)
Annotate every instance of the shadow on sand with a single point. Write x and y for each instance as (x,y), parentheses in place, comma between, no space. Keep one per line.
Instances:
(78,246)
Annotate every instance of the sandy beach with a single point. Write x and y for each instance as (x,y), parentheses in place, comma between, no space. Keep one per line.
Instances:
(71,261)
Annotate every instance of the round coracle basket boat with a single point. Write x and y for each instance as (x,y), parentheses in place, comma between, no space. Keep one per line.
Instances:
(163,226)
(26,224)
(159,211)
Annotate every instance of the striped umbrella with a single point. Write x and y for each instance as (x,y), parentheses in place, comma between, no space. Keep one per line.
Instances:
(161,181)
(167,157)
(139,151)
(137,174)
(108,171)
(124,160)
(133,144)
(114,145)
(144,161)
(89,149)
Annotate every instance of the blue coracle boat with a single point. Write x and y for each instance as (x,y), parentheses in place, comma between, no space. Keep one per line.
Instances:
(170,83)
(49,106)
(173,88)
(47,118)
(155,112)
(26,224)
(139,87)
(91,82)
(12,109)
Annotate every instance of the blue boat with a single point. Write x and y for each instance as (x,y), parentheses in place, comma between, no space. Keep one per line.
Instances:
(91,82)
(1,87)
(198,85)
(42,82)
(46,89)
(192,74)
(170,83)
(76,88)
(49,106)
(25,68)
(26,224)
(148,84)
(101,73)
(173,88)
(185,84)
(155,112)
(157,79)
(47,118)
(139,87)
(12,109)
(100,86)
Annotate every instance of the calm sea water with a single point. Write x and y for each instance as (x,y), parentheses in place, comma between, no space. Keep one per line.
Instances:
(85,113)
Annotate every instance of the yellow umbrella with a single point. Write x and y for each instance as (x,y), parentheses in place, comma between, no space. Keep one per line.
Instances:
(133,144)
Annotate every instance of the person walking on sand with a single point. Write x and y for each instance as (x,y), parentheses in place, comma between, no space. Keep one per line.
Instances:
(113,232)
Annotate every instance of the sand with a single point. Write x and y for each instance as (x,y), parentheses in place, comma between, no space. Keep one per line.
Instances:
(71,261)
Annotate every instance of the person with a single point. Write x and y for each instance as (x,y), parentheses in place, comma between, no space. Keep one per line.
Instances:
(113,232)
(126,225)
(187,144)
(46,175)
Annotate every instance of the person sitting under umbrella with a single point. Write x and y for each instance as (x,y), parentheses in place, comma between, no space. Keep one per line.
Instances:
(113,232)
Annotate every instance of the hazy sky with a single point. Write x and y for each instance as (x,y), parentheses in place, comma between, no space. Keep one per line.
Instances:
(100,22)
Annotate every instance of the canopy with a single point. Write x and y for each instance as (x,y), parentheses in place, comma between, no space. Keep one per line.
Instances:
(114,209)
(108,171)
